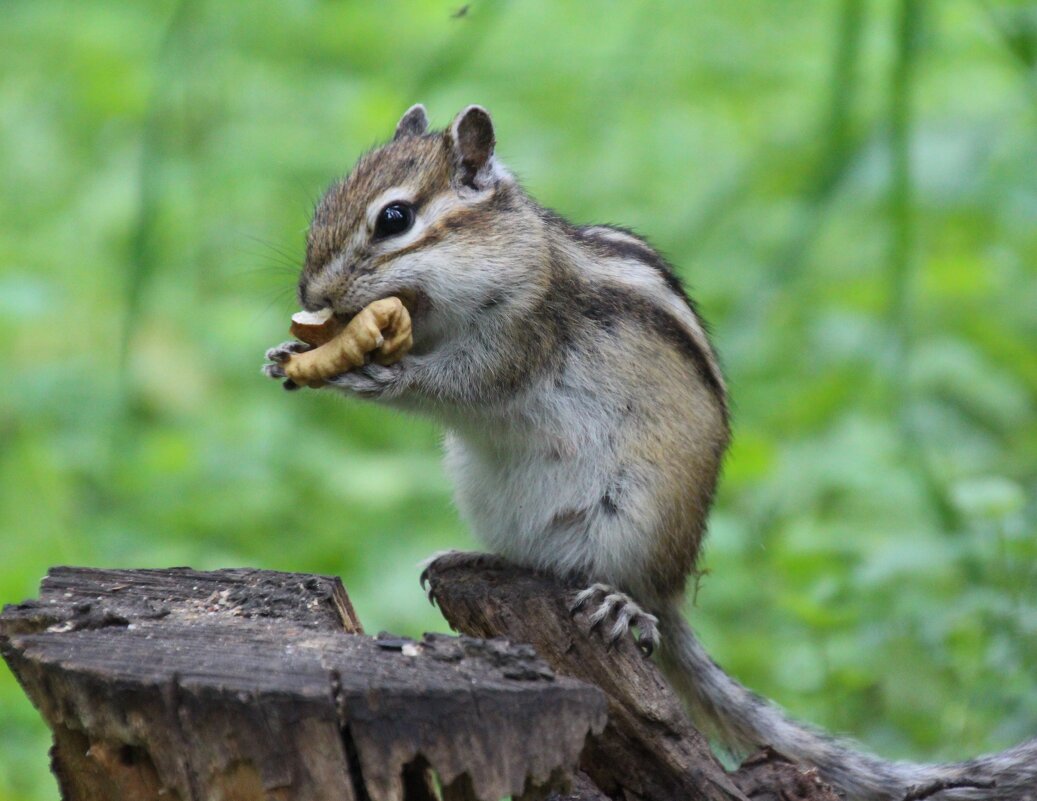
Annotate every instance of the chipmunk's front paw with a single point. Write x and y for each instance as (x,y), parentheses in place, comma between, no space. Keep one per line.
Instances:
(442,561)
(623,613)
(283,352)
(278,356)
(371,380)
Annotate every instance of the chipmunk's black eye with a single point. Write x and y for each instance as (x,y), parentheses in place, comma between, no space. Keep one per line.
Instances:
(393,220)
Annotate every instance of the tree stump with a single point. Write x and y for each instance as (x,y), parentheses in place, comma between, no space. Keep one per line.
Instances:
(240,685)
(176,685)
(649,749)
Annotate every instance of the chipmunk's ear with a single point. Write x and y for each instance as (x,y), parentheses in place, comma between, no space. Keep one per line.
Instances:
(471,142)
(413,123)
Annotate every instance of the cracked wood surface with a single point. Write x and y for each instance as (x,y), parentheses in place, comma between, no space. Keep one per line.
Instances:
(649,749)
(239,684)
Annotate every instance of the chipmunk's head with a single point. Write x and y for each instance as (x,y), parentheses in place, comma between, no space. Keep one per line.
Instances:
(429,217)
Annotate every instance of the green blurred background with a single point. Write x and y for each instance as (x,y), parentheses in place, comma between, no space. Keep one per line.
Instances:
(849,187)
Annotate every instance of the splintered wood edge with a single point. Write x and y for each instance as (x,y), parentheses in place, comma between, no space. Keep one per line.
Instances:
(770,776)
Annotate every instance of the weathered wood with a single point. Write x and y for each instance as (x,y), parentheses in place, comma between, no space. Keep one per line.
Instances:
(243,685)
(769,776)
(649,749)
(91,598)
(247,685)
(583,789)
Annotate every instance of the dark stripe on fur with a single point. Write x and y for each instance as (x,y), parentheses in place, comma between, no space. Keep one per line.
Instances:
(638,250)
(662,321)
(607,304)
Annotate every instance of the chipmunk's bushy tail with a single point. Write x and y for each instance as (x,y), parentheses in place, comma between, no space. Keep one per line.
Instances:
(744,722)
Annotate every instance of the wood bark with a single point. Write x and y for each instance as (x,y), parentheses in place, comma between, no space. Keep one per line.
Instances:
(240,685)
(649,748)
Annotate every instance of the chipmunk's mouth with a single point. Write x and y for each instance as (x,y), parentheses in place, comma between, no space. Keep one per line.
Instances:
(415,301)
(417,304)
(328,321)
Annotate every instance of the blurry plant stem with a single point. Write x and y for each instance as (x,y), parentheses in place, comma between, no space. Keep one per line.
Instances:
(900,261)
(1020,40)
(141,256)
(842,144)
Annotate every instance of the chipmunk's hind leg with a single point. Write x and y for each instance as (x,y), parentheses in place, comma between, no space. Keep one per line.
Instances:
(621,612)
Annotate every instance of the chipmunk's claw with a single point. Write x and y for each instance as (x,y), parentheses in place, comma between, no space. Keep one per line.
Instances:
(624,614)
(278,356)
(426,586)
(283,352)
(426,579)
(445,560)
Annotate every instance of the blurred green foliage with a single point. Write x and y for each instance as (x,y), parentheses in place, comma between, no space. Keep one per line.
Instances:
(849,187)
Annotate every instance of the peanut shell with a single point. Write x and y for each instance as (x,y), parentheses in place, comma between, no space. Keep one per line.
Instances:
(381,331)
(315,328)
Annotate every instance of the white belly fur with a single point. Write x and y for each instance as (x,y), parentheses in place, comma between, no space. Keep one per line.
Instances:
(514,487)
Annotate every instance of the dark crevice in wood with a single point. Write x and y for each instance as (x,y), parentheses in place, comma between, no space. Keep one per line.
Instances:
(349,745)
(418,781)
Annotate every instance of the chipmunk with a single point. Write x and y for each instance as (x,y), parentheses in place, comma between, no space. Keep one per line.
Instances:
(585,410)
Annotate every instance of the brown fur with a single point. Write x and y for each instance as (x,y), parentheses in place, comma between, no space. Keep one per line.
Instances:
(424,160)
